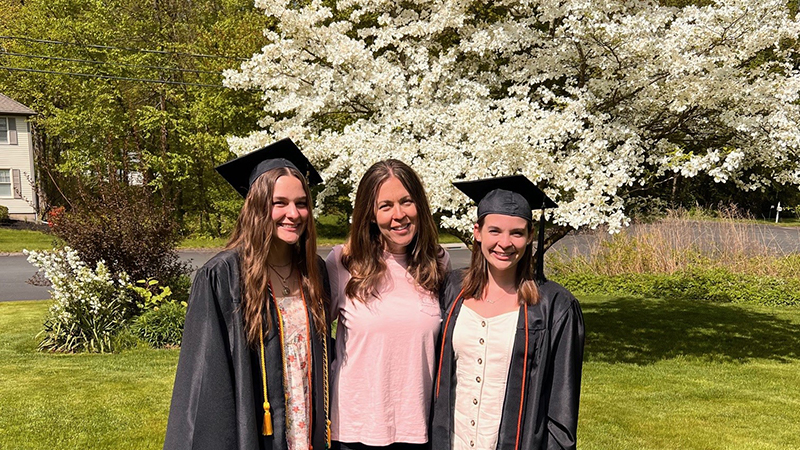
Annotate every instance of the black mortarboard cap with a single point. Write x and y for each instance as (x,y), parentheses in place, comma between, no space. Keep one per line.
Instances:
(511,196)
(244,170)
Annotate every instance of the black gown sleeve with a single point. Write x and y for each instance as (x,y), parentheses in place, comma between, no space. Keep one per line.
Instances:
(566,350)
(202,412)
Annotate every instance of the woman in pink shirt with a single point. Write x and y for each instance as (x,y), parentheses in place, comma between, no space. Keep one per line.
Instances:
(384,292)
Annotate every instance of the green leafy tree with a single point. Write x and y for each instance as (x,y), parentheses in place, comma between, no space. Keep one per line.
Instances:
(135,89)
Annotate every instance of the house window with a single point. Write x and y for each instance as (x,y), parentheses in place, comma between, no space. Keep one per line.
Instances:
(3,130)
(5,183)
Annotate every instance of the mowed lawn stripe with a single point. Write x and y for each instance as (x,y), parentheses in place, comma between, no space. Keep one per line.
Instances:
(723,377)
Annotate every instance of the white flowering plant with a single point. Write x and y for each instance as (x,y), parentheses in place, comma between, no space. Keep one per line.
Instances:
(597,101)
(90,304)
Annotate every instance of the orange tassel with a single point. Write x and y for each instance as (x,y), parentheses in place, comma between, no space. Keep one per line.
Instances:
(267,431)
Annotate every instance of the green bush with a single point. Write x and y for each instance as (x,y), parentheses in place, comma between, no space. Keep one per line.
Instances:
(127,229)
(124,339)
(3,213)
(162,327)
(716,284)
(90,304)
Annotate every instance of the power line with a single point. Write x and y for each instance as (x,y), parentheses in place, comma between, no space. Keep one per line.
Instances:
(110,77)
(90,61)
(110,47)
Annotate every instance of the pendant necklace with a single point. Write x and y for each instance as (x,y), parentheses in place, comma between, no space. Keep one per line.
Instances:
(284,280)
(486,297)
(492,300)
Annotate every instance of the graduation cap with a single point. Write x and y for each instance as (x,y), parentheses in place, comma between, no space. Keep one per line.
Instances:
(244,170)
(511,196)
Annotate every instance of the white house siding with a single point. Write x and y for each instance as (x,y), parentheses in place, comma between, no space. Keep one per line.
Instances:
(19,156)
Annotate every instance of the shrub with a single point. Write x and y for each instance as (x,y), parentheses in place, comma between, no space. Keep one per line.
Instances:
(125,227)
(150,293)
(731,261)
(677,244)
(714,284)
(91,305)
(3,213)
(161,327)
(125,339)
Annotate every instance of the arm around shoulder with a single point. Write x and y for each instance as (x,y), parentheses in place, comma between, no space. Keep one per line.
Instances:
(335,270)
(451,289)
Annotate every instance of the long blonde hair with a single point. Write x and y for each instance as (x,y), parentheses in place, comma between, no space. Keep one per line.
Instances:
(477,275)
(252,239)
(363,252)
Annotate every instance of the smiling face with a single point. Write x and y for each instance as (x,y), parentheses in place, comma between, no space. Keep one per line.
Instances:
(503,240)
(395,215)
(290,209)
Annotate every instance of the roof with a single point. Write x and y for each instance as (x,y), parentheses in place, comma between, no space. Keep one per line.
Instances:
(11,106)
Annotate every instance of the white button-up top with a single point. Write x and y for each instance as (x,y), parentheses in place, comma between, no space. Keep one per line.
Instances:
(482,348)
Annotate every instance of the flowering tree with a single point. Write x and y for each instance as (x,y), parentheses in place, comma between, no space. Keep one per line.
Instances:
(598,101)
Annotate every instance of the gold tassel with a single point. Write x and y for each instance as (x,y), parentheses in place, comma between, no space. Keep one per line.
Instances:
(329,432)
(267,431)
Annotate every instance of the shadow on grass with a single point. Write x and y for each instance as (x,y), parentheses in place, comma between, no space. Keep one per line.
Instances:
(644,331)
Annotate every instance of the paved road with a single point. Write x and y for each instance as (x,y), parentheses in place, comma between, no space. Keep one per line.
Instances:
(15,270)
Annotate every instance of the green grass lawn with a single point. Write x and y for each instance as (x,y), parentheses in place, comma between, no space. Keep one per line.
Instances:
(667,374)
(658,375)
(193,242)
(783,222)
(82,401)
(13,241)
(16,240)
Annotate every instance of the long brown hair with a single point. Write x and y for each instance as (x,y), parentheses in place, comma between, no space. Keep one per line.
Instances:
(477,275)
(363,253)
(252,239)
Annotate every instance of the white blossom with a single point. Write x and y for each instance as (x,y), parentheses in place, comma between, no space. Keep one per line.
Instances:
(86,302)
(588,98)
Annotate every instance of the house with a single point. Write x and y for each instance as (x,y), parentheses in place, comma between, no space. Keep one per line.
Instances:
(17,174)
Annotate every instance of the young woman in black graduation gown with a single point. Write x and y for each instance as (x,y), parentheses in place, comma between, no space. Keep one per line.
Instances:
(512,343)
(252,372)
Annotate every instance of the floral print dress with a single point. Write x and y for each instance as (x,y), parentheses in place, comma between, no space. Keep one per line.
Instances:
(297,374)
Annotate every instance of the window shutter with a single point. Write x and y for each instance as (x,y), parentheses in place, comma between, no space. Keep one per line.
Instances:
(12,131)
(17,183)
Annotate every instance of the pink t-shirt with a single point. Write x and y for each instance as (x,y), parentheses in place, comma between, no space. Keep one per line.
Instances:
(382,376)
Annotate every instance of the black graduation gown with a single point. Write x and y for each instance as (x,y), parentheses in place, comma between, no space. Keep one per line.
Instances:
(217,402)
(550,371)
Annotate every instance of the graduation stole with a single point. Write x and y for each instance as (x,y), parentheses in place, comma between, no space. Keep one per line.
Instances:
(267,427)
(459,297)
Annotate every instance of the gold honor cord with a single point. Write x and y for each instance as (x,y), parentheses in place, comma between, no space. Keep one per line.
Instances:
(327,391)
(267,429)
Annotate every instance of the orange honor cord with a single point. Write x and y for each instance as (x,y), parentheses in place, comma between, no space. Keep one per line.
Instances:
(267,429)
(524,371)
(444,337)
